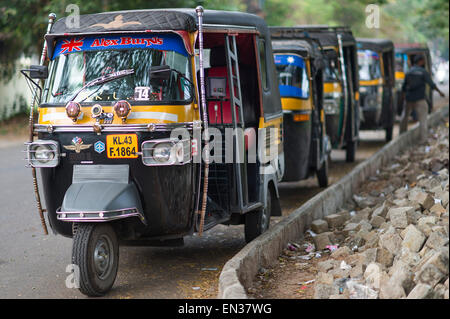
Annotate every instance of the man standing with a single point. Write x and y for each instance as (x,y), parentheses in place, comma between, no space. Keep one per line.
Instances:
(413,90)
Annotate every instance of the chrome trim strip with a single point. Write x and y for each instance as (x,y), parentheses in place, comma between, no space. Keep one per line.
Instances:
(154,116)
(100,216)
(46,128)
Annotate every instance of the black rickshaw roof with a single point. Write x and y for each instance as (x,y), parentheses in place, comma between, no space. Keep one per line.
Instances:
(377,45)
(156,20)
(411,47)
(327,35)
(284,40)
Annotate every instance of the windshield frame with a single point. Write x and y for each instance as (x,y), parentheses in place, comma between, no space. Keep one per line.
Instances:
(305,75)
(189,79)
(374,61)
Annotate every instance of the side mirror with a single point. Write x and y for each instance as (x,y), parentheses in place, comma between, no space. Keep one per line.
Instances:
(38,71)
(160,73)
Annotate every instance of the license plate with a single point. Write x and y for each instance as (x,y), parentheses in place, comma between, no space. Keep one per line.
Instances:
(122,146)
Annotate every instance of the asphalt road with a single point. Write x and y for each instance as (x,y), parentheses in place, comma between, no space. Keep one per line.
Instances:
(33,265)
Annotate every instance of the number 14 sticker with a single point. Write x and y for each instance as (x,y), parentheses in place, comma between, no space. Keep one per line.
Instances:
(142,93)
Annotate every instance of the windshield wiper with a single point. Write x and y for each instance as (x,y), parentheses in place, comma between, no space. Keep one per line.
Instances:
(104,79)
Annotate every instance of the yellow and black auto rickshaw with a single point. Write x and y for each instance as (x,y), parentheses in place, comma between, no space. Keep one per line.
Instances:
(341,85)
(300,63)
(153,125)
(377,84)
(404,57)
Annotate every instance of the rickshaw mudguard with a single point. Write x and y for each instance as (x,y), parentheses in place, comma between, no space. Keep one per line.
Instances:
(100,201)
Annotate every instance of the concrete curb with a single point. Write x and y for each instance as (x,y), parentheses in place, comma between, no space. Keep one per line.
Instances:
(240,270)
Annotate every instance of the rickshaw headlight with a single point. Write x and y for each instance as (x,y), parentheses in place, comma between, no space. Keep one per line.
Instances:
(166,152)
(43,154)
(163,152)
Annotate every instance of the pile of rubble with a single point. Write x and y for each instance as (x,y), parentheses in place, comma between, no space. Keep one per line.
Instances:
(392,240)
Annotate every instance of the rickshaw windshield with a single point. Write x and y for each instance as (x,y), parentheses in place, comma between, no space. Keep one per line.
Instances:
(369,65)
(77,61)
(400,62)
(292,76)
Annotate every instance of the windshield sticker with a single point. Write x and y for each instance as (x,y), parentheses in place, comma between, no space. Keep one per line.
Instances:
(292,91)
(163,42)
(283,59)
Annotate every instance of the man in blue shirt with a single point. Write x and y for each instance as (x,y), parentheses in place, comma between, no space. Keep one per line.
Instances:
(413,90)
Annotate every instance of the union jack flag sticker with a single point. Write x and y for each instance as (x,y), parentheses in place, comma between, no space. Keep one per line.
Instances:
(71,45)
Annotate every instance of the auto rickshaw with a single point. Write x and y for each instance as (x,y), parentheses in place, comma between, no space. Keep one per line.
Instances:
(404,57)
(128,131)
(299,63)
(341,85)
(377,84)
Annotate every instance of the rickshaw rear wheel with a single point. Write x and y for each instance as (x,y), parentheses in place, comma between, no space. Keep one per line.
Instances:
(389,133)
(350,153)
(258,221)
(322,173)
(96,252)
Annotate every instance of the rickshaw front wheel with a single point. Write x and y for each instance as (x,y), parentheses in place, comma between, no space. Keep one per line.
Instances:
(96,252)
(258,221)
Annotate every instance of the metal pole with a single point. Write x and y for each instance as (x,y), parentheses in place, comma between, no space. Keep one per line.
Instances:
(199,11)
(344,86)
(51,20)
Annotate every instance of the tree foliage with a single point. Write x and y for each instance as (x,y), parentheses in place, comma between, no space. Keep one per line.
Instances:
(23,22)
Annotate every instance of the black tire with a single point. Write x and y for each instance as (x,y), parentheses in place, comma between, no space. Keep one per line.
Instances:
(389,133)
(258,221)
(350,153)
(91,243)
(322,174)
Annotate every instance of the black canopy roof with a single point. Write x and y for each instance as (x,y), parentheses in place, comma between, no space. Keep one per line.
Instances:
(326,35)
(156,20)
(378,45)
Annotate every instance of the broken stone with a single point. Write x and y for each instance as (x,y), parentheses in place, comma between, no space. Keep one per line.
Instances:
(430,275)
(424,199)
(350,227)
(372,275)
(341,252)
(321,241)
(361,215)
(437,210)
(398,216)
(384,257)
(421,291)
(334,220)
(436,240)
(439,291)
(381,210)
(326,265)
(319,226)
(324,278)
(391,241)
(377,221)
(345,214)
(413,239)
(323,291)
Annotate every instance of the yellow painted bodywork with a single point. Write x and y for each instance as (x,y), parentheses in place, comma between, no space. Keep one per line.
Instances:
(399,75)
(182,113)
(332,87)
(296,104)
(371,82)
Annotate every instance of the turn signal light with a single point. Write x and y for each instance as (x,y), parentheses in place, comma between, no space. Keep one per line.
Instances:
(122,109)
(73,110)
(301,117)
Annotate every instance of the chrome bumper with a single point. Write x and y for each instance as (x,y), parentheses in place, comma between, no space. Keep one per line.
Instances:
(101,216)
